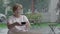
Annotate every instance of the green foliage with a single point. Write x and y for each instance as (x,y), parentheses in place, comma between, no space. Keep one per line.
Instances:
(34,16)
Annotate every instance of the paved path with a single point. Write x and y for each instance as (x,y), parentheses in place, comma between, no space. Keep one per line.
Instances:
(42,30)
(32,30)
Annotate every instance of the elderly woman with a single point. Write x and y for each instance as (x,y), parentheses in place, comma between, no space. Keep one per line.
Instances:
(17,23)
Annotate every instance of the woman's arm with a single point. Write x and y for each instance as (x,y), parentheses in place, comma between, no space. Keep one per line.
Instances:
(28,25)
(27,22)
(10,26)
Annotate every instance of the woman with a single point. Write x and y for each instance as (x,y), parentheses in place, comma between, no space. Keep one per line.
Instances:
(15,21)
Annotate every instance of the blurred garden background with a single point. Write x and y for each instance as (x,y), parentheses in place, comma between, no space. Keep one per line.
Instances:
(44,15)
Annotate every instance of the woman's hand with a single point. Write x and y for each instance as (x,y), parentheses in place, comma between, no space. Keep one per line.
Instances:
(16,23)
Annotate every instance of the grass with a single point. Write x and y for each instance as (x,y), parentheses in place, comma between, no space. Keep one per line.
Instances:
(3,25)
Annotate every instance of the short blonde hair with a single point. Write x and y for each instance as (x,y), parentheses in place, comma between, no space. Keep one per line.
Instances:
(19,5)
(16,6)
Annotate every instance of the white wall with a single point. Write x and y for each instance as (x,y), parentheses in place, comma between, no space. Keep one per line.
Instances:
(52,12)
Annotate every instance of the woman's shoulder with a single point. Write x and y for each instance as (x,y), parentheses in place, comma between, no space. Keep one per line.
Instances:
(23,15)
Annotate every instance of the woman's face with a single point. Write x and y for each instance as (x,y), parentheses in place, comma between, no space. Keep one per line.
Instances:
(18,11)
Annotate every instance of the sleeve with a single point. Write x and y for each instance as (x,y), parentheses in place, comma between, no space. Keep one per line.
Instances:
(9,20)
(25,19)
